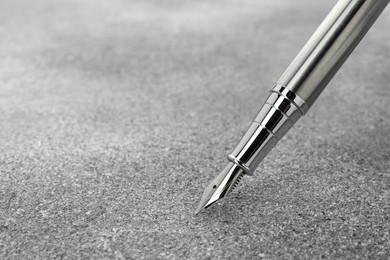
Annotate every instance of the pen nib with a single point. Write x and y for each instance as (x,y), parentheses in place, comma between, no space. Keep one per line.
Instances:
(221,186)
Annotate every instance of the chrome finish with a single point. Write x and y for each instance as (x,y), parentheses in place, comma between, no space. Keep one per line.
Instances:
(295,99)
(238,163)
(297,89)
(222,185)
(280,112)
(330,46)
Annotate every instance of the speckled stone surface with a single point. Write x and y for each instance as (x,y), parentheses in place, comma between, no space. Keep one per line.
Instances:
(116,114)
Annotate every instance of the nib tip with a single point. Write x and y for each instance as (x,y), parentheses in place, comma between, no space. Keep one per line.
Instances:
(202,206)
(199,209)
(197,212)
(220,186)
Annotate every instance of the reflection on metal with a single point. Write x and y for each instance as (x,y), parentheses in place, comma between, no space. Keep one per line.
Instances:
(297,89)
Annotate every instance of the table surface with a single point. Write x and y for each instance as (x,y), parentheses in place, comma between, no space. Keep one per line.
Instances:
(115,115)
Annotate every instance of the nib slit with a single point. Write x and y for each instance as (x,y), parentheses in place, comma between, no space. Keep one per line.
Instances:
(221,186)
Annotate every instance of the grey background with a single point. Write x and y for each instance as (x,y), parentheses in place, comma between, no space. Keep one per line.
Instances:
(116,114)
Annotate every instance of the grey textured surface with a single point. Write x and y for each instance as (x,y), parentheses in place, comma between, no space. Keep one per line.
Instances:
(116,114)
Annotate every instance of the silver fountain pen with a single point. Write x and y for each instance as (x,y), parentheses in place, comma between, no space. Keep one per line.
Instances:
(297,89)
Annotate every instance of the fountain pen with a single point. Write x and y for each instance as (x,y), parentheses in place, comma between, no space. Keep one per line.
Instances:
(296,90)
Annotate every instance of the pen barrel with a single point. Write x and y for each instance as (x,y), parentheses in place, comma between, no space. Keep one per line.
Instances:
(306,78)
(330,46)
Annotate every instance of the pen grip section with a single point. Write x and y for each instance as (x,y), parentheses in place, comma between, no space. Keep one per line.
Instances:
(280,112)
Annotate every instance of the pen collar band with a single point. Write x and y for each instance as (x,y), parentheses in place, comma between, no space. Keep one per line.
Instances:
(280,112)
(288,94)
